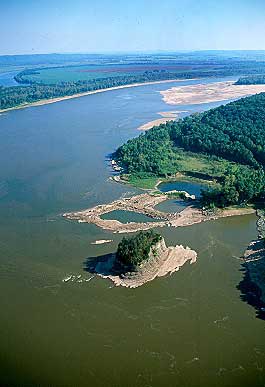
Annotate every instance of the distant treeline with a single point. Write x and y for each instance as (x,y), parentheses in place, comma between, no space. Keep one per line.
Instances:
(146,76)
(252,80)
(18,95)
(36,90)
(235,132)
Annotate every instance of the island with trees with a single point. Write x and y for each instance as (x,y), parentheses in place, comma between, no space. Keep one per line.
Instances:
(140,259)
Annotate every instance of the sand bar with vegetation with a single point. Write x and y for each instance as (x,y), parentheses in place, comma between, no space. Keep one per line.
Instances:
(206,93)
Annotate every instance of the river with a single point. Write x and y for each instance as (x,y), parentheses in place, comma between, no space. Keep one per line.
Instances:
(188,329)
(7,78)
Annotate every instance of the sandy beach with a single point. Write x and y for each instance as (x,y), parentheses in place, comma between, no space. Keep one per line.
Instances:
(206,93)
(166,116)
(59,99)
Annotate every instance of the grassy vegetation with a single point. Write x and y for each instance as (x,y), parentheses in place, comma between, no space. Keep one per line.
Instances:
(199,165)
(72,74)
(191,167)
(140,182)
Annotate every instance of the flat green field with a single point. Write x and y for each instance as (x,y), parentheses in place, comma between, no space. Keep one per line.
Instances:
(192,166)
(72,73)
(93,71)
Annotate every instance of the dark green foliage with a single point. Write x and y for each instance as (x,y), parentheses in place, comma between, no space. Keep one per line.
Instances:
(134,250)
(18,95)
(151,152)
(239,185)
(252,80)
(235,132)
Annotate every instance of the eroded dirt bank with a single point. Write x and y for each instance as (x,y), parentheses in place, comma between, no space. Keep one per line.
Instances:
(253,284)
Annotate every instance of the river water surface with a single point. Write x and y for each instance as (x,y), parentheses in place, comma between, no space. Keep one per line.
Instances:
(188,329)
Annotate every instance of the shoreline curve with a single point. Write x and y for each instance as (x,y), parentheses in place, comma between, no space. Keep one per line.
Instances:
(79,95)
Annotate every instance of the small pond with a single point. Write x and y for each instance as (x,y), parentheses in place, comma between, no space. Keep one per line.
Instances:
(188,186)
(171,205)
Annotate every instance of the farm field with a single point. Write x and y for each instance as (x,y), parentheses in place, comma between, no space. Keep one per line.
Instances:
(89,72)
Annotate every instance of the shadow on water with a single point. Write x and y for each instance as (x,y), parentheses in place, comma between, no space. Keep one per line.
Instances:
(104,264)
(251,293)
(91,263)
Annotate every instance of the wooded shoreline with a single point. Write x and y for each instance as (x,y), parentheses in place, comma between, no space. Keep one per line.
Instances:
(78,95)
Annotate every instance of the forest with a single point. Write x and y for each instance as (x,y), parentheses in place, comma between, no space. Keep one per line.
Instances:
(134,250)
(251,80)
(235,132)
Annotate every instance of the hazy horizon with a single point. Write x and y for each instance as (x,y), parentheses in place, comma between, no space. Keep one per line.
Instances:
(113,52)
(142,26)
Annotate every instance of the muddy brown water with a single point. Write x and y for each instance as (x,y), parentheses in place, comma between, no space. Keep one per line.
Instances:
(188,329)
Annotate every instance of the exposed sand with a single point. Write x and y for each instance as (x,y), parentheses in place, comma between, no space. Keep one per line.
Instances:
(167,116)
(145,204)
(101,242)
(162,260)
(53,100)
(206,93)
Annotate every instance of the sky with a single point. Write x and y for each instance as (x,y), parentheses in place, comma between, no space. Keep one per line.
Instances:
(45,26)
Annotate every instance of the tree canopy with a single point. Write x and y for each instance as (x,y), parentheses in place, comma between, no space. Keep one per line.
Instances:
(234,132)
(258,79)
(134,250)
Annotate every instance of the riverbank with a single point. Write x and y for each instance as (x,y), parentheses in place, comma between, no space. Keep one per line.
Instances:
(145,204)
(162,260)
(78,95)
(207,93)
(252,285)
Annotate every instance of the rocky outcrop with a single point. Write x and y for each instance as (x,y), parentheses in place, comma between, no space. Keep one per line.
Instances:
(162,260)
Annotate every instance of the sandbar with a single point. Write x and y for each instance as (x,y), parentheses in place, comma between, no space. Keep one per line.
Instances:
(166,116)
(206,93)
